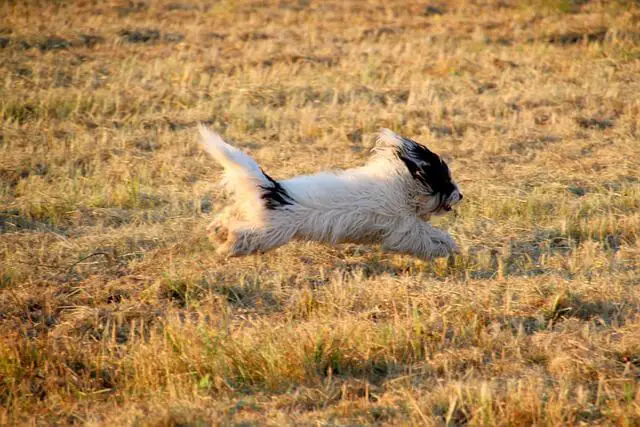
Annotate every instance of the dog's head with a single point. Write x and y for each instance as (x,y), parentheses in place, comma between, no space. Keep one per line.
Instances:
(436,192)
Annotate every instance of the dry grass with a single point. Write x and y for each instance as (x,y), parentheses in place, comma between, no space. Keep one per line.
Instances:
(115,310)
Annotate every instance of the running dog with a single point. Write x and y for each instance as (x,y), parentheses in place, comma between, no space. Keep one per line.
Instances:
(388,201)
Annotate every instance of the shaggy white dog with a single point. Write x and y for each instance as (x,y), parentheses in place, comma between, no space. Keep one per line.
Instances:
(386,201)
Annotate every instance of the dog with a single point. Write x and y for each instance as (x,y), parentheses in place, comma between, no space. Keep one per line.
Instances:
(388,201)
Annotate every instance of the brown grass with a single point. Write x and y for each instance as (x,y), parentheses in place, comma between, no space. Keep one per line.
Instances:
(115,310)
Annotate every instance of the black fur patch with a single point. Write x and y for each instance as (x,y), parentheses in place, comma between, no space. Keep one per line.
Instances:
(275,196)
(427,168)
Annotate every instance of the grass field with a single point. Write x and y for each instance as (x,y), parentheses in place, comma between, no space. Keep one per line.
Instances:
(115,310)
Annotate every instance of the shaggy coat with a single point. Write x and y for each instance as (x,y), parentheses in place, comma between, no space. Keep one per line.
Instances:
(387,201)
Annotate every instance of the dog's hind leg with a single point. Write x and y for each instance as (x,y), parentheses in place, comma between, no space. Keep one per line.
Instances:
(218,228)
(246,240)
(420,239)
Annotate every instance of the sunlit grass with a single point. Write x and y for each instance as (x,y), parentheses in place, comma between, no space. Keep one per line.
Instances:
(114,308)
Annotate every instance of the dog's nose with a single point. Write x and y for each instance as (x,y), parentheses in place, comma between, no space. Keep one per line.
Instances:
(460,199)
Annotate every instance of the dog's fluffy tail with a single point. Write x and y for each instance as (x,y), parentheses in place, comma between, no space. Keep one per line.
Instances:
(235,162)
(242,175)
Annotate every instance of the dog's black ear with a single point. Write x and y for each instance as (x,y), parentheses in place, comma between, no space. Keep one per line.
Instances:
(425,166)
(419,153)
(411,163)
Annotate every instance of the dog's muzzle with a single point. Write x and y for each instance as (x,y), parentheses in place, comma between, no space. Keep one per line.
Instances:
(447,206)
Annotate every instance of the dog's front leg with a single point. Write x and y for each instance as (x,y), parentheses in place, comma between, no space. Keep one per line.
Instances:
(420,239)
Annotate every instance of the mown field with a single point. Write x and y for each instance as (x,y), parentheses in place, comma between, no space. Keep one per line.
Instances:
(115,310)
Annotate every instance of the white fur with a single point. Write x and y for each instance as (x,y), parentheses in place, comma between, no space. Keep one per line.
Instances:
(376,203)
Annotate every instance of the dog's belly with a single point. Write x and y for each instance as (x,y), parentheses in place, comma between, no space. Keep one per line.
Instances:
(341,227)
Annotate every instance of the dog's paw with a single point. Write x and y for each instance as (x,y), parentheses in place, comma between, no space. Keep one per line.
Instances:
(221,235)
(218,232)
(445,245)
(223,249)
(440,251)
(233,246)
(214,225)
(228,250)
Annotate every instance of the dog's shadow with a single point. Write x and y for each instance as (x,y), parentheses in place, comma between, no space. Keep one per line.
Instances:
(314,266)
(480,261)
(525,257)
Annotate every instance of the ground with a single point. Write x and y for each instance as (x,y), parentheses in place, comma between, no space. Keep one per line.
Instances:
(115,309)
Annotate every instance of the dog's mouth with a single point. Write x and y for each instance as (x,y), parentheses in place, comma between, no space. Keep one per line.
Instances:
(446,207)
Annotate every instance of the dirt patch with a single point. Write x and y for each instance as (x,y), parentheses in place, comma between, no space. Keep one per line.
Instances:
(254,36)
(594,123)
(140,36)
(132,7)
(214,36)
(172,37)
(575,37)
(52,43)
(88,40)
(377,33)
(146,145)
(149,35)
(431,10)
(300,59)
(182,6)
